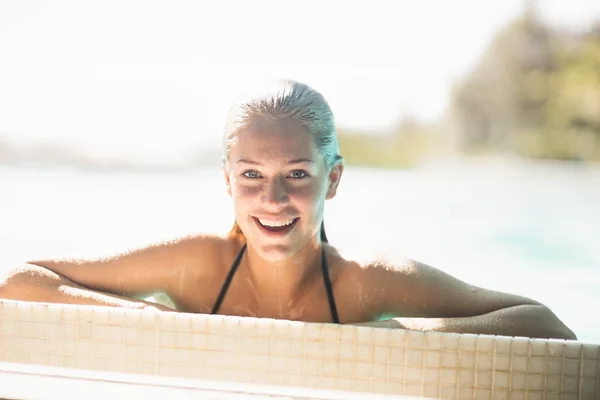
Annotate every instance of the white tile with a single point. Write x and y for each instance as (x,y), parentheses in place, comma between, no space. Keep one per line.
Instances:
(263,329)
(347,351)
(450,341)
(130,334)
(518,381)
(431,391)
(466,378)
(381,337)
(395,387)
(330,333)
(381,354)
(535,382)
(330,367)
(448,376)
(413,389)
(503,345)
(433,340)
(399,337)
(199,324)
(346,369)
(465,393)
(448,393)
(70,347)
(148,337)
(556,349)
(312,332)
(520,346)
(484,379)
(379,370)
(312,366)
(101,332)
(278,363)
(414,357)
(364,352)
(182,322)
(432,358)
(38,329)
(166,338)
(38,346)
(502,362)
(398,355)
(574,350)
(397,373)
(297,331)
(571,367)
(362,370)
(364,334)
(519,363)
(149,353)
(483,394)
(361,385)
(537,365)
(538,347)
(430,376)
(485,362)
(416,339)
(466,361)
(467,343)
(449,359)
(591,352)
(590,369)
(100,315)
(117,350)
(54,346)
(414,375)
(262,346)
(165,321)
(9,328)
(116,316)
(570,384)
(24,328)
(347,333)
(296,348)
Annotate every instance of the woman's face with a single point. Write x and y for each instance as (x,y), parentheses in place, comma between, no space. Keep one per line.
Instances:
(279,183)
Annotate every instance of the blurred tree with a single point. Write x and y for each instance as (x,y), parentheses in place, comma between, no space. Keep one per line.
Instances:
(535,92)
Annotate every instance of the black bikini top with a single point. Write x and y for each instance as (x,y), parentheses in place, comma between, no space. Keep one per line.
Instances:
(324,267)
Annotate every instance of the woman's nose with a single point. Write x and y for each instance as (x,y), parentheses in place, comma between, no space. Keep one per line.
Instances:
(275,192)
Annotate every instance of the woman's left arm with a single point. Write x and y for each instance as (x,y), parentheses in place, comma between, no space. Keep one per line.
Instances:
(420,297)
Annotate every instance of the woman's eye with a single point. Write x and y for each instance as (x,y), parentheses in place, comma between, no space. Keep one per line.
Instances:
(298,174)
(251,174)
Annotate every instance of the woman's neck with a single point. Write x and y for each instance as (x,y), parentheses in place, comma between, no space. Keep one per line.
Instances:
(287,278)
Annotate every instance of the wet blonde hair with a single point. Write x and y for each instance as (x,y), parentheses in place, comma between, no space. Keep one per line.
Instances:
(285,99)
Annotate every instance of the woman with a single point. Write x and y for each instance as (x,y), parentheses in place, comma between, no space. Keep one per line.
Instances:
(281,162)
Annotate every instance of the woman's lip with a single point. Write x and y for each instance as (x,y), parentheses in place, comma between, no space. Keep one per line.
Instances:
(275,234)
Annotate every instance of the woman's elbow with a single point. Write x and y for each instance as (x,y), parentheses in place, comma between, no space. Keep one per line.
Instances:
(19,283)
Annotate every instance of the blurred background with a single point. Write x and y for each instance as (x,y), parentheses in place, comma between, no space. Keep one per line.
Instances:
(470,130)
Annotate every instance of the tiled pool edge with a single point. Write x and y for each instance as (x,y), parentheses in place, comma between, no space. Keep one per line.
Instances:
(275,352)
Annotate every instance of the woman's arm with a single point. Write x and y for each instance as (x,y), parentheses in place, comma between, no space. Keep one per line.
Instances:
(140,273)
(38,284)
(423,298)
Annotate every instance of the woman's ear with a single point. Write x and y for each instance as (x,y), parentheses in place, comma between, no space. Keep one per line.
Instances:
(227,180)
(335,175)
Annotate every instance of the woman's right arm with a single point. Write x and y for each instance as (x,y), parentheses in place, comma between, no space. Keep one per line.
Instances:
(113,281)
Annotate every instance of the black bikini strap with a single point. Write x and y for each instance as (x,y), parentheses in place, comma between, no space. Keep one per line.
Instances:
(329,288)
(234,267)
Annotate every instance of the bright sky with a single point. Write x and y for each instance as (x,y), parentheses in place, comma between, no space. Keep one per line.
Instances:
(161,74)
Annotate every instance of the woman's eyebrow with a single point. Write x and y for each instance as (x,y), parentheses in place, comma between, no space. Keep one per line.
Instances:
(295,161)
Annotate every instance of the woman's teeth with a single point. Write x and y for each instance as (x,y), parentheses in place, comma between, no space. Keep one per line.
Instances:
(276,224)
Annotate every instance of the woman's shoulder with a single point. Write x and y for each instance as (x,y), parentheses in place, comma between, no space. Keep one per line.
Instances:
(370,261)
(198,248)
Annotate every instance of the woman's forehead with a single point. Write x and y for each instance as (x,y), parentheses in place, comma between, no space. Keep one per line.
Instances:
(273,141)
